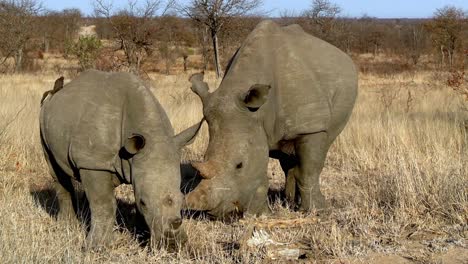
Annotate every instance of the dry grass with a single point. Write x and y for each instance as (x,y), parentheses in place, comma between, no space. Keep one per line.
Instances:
(396,178)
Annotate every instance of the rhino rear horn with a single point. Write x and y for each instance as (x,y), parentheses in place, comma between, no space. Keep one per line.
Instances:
(199,86)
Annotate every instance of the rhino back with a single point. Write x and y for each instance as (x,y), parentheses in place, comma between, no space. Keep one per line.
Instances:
(84,124)
(313,83)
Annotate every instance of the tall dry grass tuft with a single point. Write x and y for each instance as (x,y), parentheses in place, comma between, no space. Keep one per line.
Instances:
(396,178)
(411,163)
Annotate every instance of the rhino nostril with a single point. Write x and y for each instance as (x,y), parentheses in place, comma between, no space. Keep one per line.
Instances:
(176,223)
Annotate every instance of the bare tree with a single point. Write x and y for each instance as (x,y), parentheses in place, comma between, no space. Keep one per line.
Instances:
(213,14)
(446,29)
(173,36)
(413,42)
(133,27)
(323,15)
(17,22)
(58,28)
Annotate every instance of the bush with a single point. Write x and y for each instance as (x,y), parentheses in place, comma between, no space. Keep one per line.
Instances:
(86,49)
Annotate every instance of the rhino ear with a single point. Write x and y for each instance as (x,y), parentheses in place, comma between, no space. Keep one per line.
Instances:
(256,96)
(187,136)
(134,144)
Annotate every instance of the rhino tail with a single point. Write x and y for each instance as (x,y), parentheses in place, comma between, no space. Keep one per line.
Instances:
(58,85)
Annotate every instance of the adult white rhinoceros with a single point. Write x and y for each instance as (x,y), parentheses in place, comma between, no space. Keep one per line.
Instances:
(104,129)
(285,94)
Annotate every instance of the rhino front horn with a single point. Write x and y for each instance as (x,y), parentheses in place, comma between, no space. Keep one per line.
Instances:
(198,199)
(205,169)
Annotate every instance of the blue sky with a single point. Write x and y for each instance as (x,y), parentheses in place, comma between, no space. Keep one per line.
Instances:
(376,8)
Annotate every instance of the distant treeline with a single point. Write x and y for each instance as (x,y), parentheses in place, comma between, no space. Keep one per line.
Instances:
(28,31)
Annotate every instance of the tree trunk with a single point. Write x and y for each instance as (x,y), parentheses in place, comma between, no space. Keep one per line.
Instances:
(18,60)
(46,44)
(214,37)
(450,58)
(185,63)
(133,62)
(204,48)
(442,57)
(132,68)
(168,63)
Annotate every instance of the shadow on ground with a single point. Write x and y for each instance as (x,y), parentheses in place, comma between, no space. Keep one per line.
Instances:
(127,217)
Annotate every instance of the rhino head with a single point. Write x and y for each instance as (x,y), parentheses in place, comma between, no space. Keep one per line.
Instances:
(235,166)
(156,180)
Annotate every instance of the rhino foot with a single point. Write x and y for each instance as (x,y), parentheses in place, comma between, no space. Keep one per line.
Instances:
(98,243)
(315,200)
(175,241)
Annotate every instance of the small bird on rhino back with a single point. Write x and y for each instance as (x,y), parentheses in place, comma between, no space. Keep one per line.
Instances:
(58,85)
(105,129)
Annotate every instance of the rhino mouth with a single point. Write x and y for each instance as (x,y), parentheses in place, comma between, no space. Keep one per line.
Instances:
(170,239)
(175,236)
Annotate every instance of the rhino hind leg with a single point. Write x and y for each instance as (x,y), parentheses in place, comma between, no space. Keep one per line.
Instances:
(64,189)
(290,188)
(99,190)
(311,151)
(288,163)
(65,194)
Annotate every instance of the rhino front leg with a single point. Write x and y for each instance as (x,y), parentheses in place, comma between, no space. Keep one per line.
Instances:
(259,202)
(311,151)
(99,190)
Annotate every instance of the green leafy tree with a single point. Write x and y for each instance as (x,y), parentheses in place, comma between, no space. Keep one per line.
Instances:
(86,49)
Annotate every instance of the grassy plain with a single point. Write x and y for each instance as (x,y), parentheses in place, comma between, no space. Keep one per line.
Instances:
(397,180)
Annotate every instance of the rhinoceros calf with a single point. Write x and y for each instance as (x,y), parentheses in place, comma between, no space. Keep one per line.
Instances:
(285,94)
(105,129)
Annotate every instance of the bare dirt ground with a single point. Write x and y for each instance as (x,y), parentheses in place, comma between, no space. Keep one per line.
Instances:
(396,180)
(86,31)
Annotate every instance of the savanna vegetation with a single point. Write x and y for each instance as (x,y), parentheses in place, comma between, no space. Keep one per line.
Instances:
(396,178)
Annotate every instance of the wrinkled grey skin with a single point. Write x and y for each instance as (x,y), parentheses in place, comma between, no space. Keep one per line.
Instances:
(285,94)
(105,129)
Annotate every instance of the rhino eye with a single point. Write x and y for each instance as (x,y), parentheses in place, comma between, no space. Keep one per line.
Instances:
(143,204)
(239,165)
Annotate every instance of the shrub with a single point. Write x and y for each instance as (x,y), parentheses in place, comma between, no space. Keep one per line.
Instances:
(86,49)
